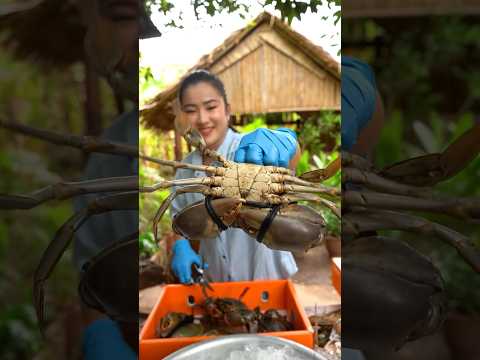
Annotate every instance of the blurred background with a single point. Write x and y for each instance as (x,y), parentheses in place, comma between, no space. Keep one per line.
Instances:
(45,82)
(425,58)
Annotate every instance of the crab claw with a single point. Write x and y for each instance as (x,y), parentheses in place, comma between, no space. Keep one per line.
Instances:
(431,169)
(184,128)
(392,294)
(195,223)
(323,174)
(294,228)
(193,137)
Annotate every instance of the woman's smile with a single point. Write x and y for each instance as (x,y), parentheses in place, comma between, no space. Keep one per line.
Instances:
(206,131)
(207,112)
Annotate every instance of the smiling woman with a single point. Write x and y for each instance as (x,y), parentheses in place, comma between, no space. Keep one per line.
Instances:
(204,103)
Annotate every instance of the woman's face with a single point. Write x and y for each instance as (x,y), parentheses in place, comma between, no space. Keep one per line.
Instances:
(207,112)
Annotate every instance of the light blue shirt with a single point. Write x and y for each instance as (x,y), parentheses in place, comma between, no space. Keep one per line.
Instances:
(234,255)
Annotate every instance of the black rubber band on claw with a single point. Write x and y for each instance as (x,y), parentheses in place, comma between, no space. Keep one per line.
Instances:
(267,222)
(216,219)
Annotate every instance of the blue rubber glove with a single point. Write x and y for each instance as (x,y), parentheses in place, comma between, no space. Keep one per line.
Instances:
(183,258)
(267,147)
(102,340)
(358,99)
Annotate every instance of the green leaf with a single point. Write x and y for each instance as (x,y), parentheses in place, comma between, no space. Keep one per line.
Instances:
(304,163)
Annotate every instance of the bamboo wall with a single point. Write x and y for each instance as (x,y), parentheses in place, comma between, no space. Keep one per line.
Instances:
(265,73)
(266,69)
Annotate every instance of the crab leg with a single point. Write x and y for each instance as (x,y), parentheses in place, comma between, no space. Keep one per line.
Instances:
(178,165)
(308,189)
(295,180)
(63,237)
(461,152)
(85,143)
(18,6)
(353,160)
(166,203)
(372,220)
(462,208)
(376,182)
(64,190)
(195,139)
(323,174)
(182,182)
(95,144)
(434,168)
(309,197)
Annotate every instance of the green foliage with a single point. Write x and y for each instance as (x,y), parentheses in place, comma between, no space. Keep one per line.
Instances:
(321,133)
(151,82)
(391,146)
(289,9)
(18,334)
(30,95)
(158,145)
(430,67)
(257,123)
(332,221)
(428,75)
(304,163)
(147,244)
(148,85)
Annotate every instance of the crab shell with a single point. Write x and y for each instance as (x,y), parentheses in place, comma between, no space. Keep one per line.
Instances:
(171,322)
(294,228)
(391,294)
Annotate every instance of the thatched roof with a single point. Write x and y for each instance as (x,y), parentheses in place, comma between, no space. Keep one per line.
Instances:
(158,112)
(394,8)
(50,33)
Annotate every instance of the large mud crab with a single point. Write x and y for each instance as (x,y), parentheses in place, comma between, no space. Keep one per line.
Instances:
(259,199)
(391,293)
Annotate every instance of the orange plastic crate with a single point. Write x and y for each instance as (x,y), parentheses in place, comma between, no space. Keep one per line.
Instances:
(337,274)
(281,295)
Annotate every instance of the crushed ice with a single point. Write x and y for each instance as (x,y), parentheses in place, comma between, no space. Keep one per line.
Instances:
(251,352)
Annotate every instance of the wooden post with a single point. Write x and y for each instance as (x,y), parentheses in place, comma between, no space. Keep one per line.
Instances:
(178,146)
(93,104)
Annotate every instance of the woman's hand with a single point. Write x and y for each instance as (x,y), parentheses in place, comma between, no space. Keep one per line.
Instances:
(362,108)
(183,259)
(267,147)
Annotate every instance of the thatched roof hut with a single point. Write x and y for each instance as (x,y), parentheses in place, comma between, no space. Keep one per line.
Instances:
(50,33)
(395,8)
(267,68)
